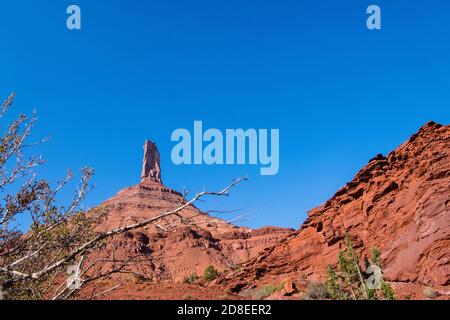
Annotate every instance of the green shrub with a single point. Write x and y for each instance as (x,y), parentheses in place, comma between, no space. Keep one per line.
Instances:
(376,256)
(210,273)
(347,280)
(333,285)
(388,291)
(191,278)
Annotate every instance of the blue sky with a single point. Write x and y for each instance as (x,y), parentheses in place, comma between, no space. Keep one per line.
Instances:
(137,70)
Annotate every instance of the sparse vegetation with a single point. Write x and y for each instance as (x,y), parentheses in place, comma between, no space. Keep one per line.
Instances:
(210,273)
(334,289)
(388,291)
(316,291)
(30,261)
(376,256)
(430,293)
(267,290)
(192,278)
(347,281)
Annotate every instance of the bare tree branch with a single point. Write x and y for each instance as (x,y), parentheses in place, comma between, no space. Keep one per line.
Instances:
(89,244)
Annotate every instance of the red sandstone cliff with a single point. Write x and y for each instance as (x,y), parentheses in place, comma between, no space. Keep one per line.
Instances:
(176,246)
(399,203)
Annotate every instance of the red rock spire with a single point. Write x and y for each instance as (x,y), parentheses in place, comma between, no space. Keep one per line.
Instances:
(151,170)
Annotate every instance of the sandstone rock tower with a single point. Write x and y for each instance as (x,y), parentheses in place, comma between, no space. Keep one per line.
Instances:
(175,246)
(151,170)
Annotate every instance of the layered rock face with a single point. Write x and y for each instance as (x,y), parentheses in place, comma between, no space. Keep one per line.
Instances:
(176,246)
(399,203)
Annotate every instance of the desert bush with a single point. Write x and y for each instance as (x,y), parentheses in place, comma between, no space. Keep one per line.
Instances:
(192,278)
(430,293)
(267,290)
(388,291)
(316,291)
(210,273)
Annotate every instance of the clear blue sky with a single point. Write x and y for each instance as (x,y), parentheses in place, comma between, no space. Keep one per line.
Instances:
(137,70)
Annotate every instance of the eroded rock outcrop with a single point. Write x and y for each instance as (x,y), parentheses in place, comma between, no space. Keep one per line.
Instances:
(399,203)
(176,246)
